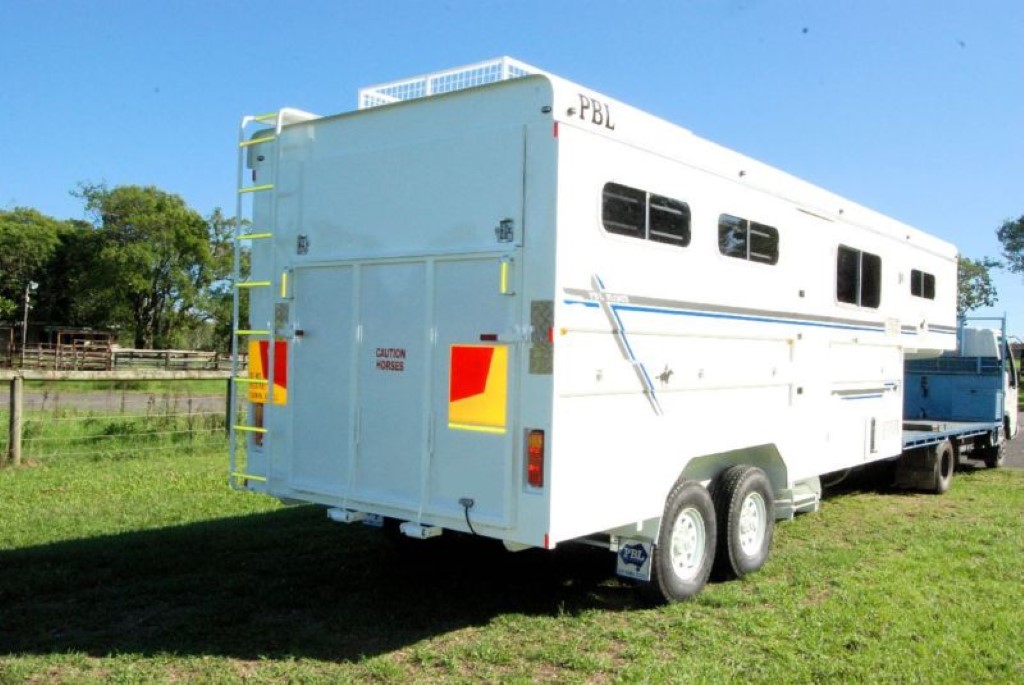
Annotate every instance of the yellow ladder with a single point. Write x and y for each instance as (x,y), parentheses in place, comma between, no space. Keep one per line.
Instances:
(239,431)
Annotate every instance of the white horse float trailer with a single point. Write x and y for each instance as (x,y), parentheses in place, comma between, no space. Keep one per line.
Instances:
(531,312)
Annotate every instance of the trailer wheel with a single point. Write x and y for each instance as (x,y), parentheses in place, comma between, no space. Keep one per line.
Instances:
(945,465)
(745,509)
(685,550)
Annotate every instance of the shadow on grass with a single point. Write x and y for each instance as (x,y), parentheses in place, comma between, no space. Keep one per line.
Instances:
(879,477)
(288,583)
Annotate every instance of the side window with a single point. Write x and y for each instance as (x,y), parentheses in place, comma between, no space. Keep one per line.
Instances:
(922,284)
(748,240)
(669,221)
(1011,367)
(639,214)
(624,210)
(858,277)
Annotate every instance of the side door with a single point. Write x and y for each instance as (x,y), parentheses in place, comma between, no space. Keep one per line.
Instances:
(321,379)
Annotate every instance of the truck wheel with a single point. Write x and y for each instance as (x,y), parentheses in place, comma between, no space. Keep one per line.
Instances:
(685,550)
(745,510)
(945,465)
(995,455)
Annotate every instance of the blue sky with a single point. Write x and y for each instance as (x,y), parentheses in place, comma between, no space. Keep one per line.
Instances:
(912,107)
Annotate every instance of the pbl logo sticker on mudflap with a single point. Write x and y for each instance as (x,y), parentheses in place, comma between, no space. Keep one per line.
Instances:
(633,560)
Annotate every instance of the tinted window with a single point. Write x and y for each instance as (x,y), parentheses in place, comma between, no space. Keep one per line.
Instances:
(922,284)
(870,280)
(639,214)
(848,275)
(748,240)
(858,277)
(624,210)
(669,220)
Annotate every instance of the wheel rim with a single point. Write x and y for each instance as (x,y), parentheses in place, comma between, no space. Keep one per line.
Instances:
(752,524)
(686,552)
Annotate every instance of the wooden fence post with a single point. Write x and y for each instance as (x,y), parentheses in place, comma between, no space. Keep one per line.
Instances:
(14,436)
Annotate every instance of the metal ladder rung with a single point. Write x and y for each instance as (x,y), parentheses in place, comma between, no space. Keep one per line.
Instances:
(252,284)
(256,189)
(250,429)
(247,476)
(253,236)
(250,381)
(243,331)
(257,141)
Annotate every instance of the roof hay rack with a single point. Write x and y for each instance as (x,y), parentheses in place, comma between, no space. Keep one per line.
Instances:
(478,74)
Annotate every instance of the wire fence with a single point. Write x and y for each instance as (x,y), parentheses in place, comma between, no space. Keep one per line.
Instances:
(78,425)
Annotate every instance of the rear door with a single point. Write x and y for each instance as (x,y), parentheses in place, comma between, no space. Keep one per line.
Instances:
(403,393)
(473,421)
(392,376)
(380,420)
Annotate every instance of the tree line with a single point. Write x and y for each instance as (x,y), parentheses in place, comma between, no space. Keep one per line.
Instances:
(144,264)
(147,265)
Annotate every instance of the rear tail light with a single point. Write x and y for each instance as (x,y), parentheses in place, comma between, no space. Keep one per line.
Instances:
(535,458)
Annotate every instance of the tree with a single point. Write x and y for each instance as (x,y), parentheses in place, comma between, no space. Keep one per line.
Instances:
(1011,235)
(28,240)
(974,284)
(218,297)
(67,294)
(153,259)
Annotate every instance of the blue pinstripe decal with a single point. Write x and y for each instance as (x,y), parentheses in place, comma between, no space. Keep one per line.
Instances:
(737,317)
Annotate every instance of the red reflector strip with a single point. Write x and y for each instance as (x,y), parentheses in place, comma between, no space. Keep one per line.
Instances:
(556,129)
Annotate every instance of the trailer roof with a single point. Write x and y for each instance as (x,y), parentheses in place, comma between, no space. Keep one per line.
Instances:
(573,105)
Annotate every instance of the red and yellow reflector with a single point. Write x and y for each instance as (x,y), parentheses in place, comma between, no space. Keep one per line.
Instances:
(259,353)
(478,388)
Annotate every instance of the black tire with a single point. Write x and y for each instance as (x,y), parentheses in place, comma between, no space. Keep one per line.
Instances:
(745,510)
(994,456)
(685,549)
(945,465)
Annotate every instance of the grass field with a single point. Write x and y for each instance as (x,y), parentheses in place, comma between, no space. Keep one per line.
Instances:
(148,568)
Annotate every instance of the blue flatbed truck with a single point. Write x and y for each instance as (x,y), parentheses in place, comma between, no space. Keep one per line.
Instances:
(961,405)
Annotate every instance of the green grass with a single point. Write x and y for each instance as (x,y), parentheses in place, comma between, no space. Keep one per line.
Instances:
(148,568)
(164,424)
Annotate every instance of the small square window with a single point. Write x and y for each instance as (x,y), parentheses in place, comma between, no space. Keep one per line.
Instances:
(858,277)
(669,221)
(624,210)
(748,240)
(922,284)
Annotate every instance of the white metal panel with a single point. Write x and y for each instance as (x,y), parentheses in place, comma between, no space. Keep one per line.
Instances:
(321,379)
(392,368)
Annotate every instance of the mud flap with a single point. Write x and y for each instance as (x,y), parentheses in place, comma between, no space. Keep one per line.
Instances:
(634,559)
